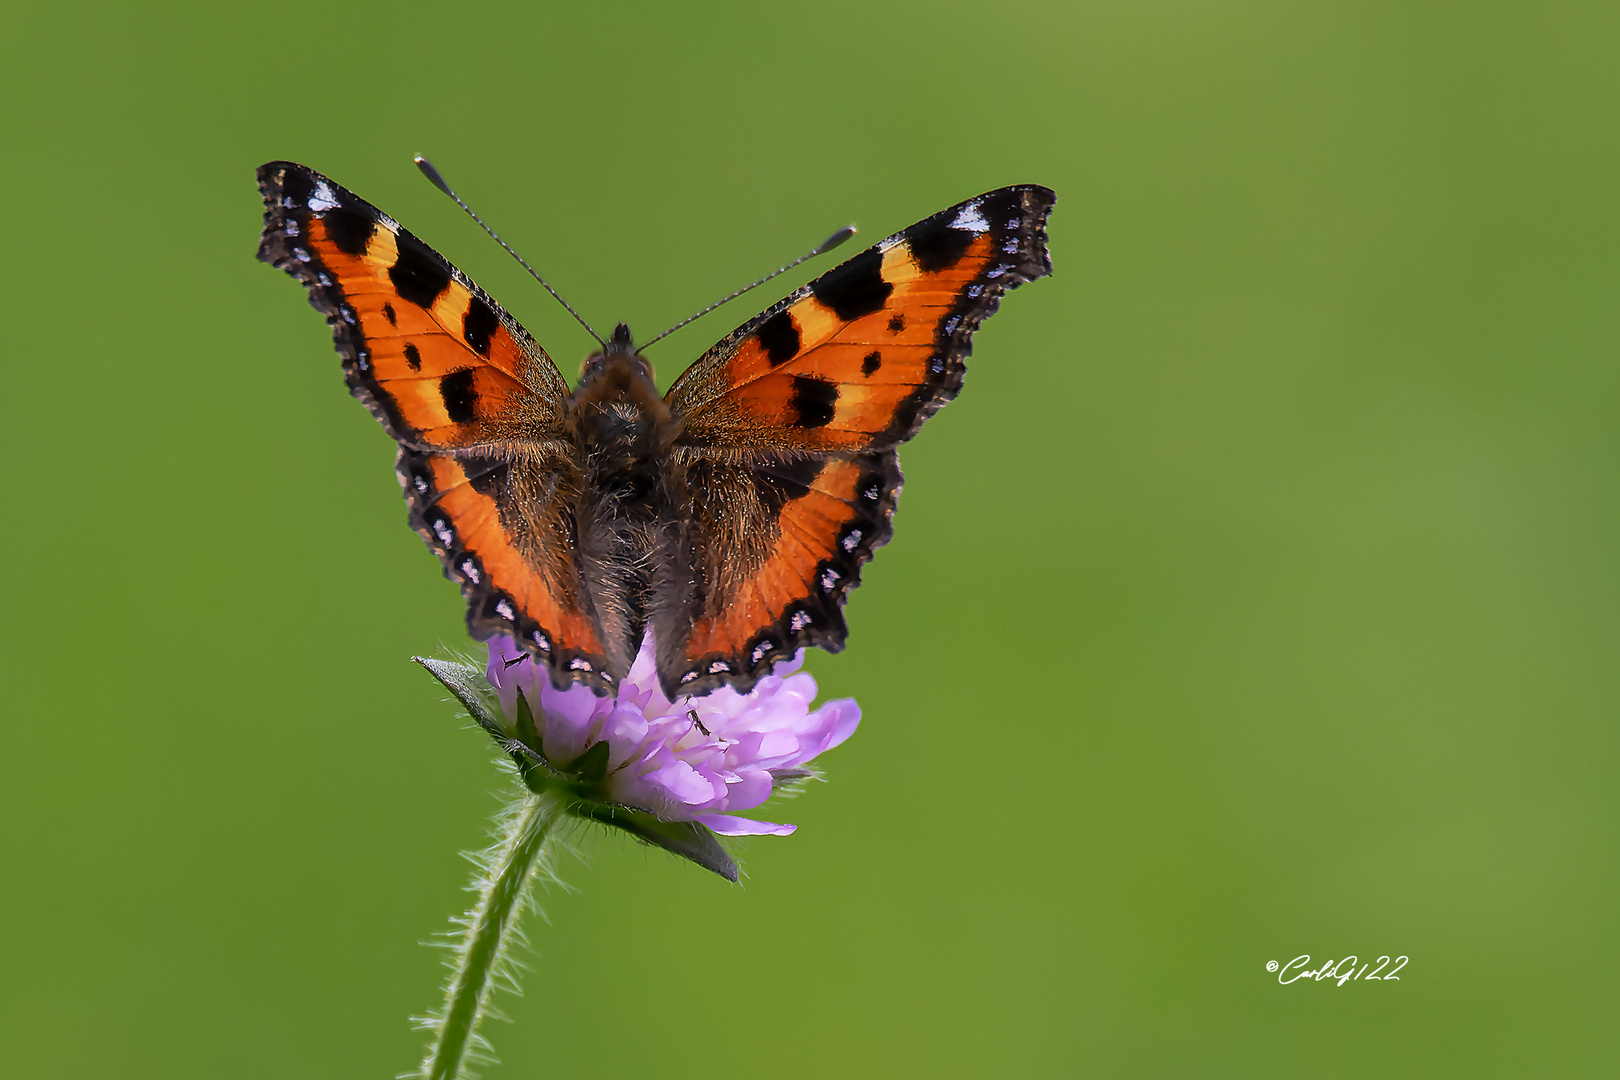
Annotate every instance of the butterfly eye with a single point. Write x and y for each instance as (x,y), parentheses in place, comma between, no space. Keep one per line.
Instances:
(595,362)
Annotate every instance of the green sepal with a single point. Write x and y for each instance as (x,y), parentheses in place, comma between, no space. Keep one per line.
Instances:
(687,839)
(533,765)
(590,768)
(526,731)
(467,683)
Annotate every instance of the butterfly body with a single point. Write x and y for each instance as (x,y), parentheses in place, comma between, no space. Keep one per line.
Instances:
(630,508)
(729,517)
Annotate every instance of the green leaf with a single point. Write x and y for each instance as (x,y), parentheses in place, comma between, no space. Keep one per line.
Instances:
(687,839)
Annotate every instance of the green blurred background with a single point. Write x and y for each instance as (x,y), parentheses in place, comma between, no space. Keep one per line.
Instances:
(1257,597)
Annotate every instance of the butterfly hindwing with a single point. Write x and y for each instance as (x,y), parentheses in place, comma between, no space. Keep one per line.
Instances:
(789,426)
(779,544)
(475,405)
(504,530)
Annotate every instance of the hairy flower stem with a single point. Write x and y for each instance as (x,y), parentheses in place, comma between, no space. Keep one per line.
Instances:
(503,890)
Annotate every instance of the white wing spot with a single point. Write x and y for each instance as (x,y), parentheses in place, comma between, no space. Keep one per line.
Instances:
(323,199)
(578,664)
(503,609)
(718,667)
(828,580)
(800,620)
(442,530)
(470,569)
(852,540)
(970,219)
(542,641)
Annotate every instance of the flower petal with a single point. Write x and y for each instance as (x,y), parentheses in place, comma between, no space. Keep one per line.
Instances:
(726,825)
(837,721)
(504,669)
(685,784)
(752,788)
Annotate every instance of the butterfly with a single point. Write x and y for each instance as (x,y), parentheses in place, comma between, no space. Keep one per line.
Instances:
(730,517)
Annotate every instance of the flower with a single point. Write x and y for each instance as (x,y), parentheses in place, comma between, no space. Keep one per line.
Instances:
(692,759)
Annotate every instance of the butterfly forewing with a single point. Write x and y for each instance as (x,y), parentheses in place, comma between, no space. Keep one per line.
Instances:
(862,355)
(475,405)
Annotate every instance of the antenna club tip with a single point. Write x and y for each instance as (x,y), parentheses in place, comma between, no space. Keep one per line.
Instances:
(432,174)
(835,239)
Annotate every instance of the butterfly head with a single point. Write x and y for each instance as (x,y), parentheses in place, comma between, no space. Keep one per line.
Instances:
(619,352)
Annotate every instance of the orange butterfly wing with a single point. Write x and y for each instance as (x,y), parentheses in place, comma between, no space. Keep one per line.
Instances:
(475,405)
(790,424)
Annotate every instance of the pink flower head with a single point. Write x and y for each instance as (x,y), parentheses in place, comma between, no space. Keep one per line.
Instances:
(693,759)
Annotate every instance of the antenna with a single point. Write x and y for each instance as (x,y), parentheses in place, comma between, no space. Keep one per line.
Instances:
(438,181)
(825,246)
